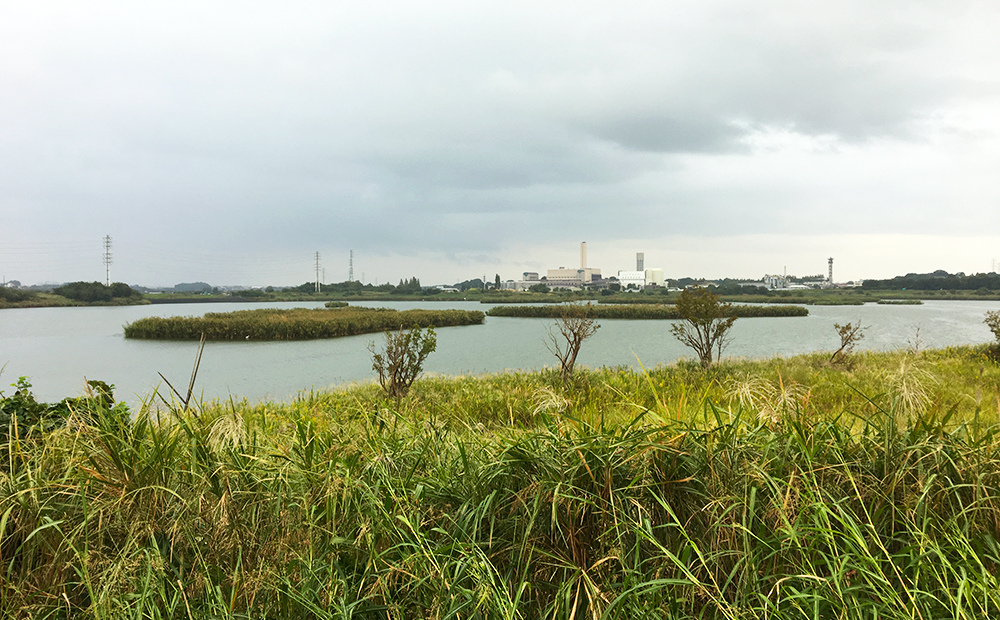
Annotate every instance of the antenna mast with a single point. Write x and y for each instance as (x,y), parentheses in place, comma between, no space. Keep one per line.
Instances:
(107,260)
(350,267)
(317,273)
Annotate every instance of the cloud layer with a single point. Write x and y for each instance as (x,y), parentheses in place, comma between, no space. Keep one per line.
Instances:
(230,142)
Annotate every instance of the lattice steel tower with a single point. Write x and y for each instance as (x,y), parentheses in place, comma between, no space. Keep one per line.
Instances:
(107,260)
(318,289)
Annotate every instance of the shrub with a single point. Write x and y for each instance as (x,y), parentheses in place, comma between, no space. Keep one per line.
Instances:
(850,336)
(14,295)
(706,323)
(992,321)
(401,361)
(95,291)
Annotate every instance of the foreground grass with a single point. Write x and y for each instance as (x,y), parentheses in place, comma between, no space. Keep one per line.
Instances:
(784,488)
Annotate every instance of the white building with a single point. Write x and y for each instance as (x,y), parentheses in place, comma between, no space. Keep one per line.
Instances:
(641,279)
(635,279)
(654,277)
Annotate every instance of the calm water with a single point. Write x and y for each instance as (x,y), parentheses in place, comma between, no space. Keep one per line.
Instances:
(59,347)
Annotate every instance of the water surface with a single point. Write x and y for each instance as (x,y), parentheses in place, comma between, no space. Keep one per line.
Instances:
(60,347)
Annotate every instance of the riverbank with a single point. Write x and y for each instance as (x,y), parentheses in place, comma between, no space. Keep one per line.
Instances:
(775,488)
(49,300)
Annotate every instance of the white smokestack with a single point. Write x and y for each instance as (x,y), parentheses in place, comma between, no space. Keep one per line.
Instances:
(640,261)
(583,255)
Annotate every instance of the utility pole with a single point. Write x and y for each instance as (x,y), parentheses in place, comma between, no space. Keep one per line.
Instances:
(317,273)
(107,260)
(350,267)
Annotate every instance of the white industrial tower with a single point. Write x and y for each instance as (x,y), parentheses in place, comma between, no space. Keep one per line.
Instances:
(640,261)
(829,277)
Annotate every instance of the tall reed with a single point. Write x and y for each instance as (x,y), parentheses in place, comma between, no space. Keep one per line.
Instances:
(778,489)
(295,324)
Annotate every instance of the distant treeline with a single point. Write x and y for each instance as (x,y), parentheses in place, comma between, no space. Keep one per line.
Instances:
(14,295)
(938,281)
(641,311)
(294,324)
(95,291)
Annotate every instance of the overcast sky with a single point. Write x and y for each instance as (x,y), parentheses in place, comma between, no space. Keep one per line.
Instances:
(228,142)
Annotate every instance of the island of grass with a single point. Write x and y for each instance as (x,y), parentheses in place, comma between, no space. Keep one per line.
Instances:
(640,311)
(780,488)
(295,324)
(900,302)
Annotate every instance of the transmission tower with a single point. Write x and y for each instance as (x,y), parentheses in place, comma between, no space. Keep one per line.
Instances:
(350,267)
(317,272)
(107,260)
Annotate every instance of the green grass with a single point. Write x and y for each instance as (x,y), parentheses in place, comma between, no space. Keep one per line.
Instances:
(294,324)
(640,312)
(784,488)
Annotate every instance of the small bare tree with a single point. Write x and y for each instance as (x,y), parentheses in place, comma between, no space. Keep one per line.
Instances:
(850,335)
(403,358)
(705,323)
(575,325)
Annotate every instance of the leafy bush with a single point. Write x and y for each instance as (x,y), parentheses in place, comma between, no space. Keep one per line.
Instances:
(402,359)
(705,323)
(22,413)
(992,321)
(14,295)
(95,291)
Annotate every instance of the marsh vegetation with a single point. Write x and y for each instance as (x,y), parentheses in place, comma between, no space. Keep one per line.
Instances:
(642,311)
(295,324)
(784,488)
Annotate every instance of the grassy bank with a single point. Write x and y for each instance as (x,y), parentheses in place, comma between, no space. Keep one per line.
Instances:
(294,324)
(785,488)
(49,300)
(641,311)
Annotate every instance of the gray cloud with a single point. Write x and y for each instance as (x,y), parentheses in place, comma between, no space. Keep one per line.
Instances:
(451,128)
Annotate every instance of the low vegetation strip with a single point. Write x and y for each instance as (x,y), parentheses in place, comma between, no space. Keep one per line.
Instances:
(812,300)
(900,302)
(784,488)
(640,311)
(295,324)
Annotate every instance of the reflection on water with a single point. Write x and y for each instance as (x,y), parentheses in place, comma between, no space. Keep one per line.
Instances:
(59,347)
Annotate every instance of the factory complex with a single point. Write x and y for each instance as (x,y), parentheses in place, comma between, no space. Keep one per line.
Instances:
(586,277)
(590,277)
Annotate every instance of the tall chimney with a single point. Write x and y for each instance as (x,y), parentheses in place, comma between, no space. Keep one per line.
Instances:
(583,255)
(640,261)
(829,263)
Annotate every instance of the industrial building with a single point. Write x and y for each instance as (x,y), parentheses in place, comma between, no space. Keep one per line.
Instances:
(641,277)
(573,278)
